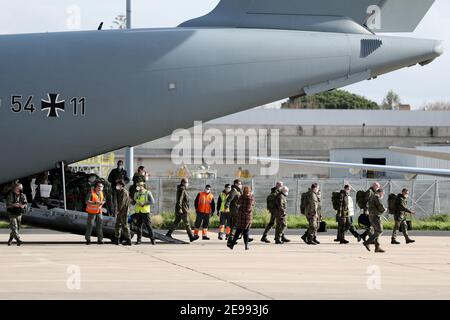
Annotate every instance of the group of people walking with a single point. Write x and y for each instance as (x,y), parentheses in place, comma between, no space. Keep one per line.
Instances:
(235,207)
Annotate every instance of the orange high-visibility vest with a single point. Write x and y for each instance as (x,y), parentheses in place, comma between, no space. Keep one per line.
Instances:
(204,202)
(95,208)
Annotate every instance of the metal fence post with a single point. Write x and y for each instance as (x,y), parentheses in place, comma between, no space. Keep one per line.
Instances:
(160,196)
(297,205)
(435,196)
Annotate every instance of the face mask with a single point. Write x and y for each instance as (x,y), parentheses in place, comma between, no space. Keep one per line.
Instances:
(186,185)
(146,178)
(120,167)
(118,188)
(138,188)
(287,193)
(239,186)
(227,190)
(91,180)
(101,189)
(207,190)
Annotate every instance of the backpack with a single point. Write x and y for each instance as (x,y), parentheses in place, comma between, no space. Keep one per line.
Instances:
(362,199)
(392,203)
(336,198)
(271,202)
(303,202)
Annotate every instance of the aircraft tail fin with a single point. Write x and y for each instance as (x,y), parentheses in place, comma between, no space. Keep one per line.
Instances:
(316,15)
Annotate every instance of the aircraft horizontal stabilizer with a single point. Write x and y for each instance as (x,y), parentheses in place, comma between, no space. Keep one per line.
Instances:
(317,15)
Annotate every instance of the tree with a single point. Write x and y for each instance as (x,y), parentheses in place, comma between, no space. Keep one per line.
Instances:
(336,99)
(391,101)
(437,106)
(120,22)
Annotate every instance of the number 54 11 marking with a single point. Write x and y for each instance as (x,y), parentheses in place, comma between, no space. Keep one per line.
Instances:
(78,104)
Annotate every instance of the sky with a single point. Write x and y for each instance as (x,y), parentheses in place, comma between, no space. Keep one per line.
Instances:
(416,86)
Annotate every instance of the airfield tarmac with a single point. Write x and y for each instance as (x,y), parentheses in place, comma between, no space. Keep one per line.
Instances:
(54,265)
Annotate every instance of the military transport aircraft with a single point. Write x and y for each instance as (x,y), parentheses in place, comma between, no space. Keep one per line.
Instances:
(74,95)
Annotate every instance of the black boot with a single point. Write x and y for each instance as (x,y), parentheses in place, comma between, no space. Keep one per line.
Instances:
(278,241)
(10,241)
(246,247)
(220,236)
(366,244)
(284,239)
(127,243)
(19,242)
(116,242)
(305,238)
(193,238)
(343,241)
(408,241)
(169,234)
(393,241)
(231,245)
(315,240)
(364,236)
(138,241)
(264,239)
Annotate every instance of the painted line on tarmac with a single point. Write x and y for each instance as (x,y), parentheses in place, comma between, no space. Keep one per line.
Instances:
(202,273)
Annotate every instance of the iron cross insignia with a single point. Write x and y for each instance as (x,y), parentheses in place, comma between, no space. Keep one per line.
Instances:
(52,105)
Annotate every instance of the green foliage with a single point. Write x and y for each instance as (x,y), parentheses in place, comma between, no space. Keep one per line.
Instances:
(336,99)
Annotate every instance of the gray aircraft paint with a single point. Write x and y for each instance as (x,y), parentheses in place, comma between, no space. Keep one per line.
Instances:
(140,85)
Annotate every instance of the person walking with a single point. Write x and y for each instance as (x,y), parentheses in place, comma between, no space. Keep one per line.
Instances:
(244,217)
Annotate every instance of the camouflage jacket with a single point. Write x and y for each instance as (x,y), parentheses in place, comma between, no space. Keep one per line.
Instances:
(375,206)
(312,206)
(402,205)
(281,204)
(182,204)
(232,201)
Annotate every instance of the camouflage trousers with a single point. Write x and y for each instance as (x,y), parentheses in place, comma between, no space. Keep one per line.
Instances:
(400,224)
(281,226)
(122,227)
(14,226)
(313,222)
(98,226)
(270,224)
(181,217)
(377,226)
(345,224)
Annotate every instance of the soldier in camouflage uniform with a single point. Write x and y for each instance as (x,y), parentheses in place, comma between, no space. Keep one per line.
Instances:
(271,207)
(376,210)
(122,202)
(345,216)
(369,193)
(312,214)
(116,175)
(16,203)
(232,205)
(182,210)
(400,217)
(281,212)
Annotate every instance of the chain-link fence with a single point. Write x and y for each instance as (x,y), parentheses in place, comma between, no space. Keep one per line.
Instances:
(427,197)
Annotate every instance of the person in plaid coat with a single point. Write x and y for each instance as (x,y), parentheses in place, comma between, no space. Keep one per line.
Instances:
(244,217)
